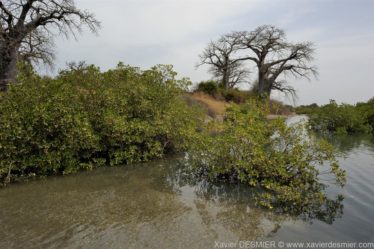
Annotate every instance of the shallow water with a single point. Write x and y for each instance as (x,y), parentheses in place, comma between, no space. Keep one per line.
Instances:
(356,223)
(155,206)
(140,206)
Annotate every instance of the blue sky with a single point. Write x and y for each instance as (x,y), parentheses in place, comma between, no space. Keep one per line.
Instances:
(148,32)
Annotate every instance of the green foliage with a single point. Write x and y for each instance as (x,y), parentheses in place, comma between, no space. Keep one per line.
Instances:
(367,110)
(85,118)
(286,164)
(306,109)
(209,87)
(342,119)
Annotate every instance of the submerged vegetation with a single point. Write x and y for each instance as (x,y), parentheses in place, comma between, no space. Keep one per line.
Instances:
(340,119)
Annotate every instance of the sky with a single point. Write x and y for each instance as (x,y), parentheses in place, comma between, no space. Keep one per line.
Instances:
(144,33)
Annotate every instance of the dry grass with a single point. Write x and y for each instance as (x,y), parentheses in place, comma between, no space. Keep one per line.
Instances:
(216,106)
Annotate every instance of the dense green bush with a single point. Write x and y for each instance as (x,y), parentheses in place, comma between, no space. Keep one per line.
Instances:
(43,129)
(367,109)
(340,119)
(209,87)
(306,109)
(286,164)
(85,118)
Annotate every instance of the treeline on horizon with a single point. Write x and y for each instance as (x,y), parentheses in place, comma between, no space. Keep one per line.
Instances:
(340,118)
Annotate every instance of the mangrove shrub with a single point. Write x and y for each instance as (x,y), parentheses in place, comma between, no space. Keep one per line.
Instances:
(84,118)
(343,118)
(286,164)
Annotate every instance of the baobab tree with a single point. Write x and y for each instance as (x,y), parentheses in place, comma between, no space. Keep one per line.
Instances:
(27,28)
(267,48)
(220,56)
(274,56)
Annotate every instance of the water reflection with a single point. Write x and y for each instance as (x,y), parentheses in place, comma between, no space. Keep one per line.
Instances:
(356,224)
(237,201)
(221,208)
(348,143)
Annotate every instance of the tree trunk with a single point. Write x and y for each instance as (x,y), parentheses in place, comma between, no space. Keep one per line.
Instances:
(8,65)
(268,87)
(261,82)
(264,86)
(225,79)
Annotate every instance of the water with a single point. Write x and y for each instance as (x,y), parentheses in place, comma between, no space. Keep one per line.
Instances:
(140,206)
(356,223)
(156,206)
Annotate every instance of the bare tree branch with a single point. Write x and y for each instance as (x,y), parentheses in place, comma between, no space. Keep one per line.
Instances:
(276,56)
(272,54)
(219,56)
(27,28)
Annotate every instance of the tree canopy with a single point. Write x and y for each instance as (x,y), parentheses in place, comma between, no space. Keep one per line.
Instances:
(27,28)
(268,49)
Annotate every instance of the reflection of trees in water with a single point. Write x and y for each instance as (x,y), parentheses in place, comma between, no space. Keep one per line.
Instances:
(347,143)
(327,211)
(222,206)
(233,206)
(233,210)
(239,209)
